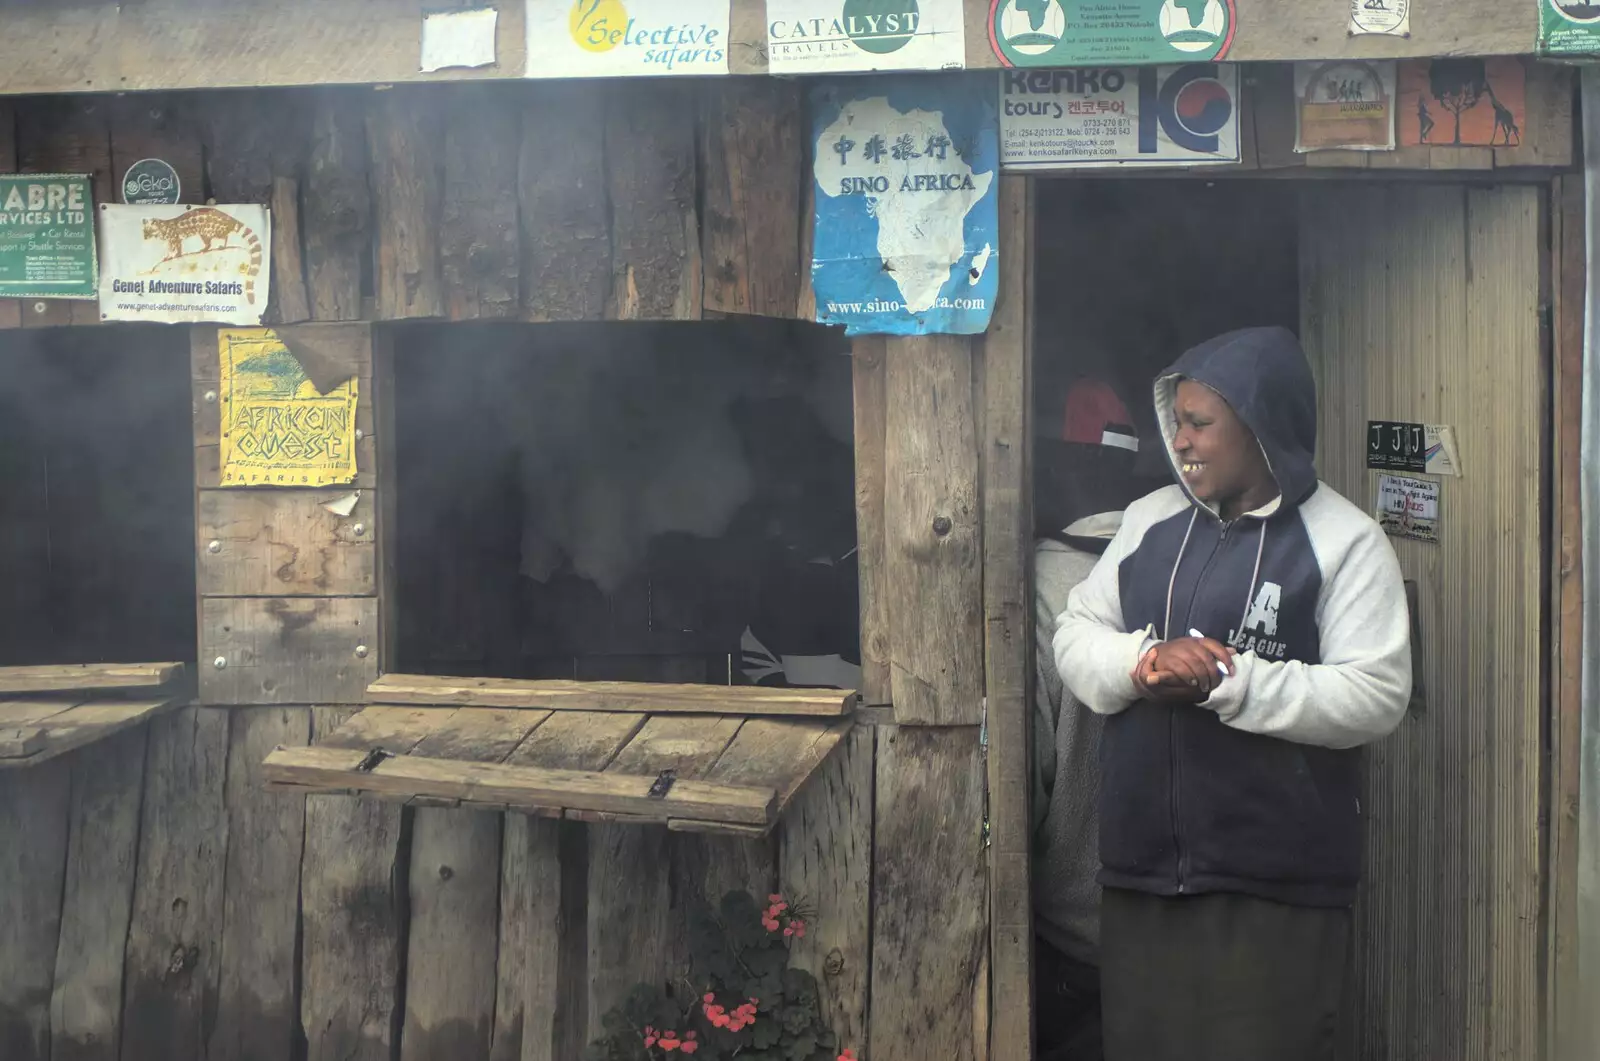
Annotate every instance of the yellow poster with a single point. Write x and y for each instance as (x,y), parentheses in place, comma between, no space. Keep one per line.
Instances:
(277,428)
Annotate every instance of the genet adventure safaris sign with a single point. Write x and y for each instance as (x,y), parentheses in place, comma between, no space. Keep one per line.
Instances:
(47,236)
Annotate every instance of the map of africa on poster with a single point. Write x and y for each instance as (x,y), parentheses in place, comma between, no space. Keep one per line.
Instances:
(907,204)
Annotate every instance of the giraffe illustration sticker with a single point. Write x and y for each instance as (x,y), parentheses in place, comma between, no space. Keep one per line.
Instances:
(1462,102)
(1102,33)
(184,264)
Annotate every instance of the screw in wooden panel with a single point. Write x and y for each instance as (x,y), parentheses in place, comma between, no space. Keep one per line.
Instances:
(361,652)
(941,525)
(211,396)
(220,662)
(213,546)
(360,434)
(359,529)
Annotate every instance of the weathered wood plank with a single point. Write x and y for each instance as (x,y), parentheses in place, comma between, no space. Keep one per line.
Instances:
(532,988)
(351,917)
(403,130)
(336,205)
(650,174)
(287,650)
(27,746)
(285,543)
(289,293)
(782,753)
(566,221)
(929,908)
(689,746)
(932,532)
(1548,137)
(396,730)
(97,900)
(336,769)
(65,135)
(450,958)
(478,246)
(1008,633)
(872,563)
(34,808)
(577,740)
(560,695)
(10,308)
(826,860)
(630,898)
(480,734)
(750,165)
(71,677)
(174,935)
(257,1008)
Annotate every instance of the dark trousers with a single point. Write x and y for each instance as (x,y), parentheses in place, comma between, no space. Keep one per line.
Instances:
(1066,1004)
(1219,978)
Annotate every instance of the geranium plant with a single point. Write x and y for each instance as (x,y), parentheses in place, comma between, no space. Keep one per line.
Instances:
(740,999)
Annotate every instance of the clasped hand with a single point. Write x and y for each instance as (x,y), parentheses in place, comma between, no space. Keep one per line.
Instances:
(1184,670)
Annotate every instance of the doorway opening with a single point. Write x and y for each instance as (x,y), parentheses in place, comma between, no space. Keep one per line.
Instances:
(614,501)
(1129,274)
(96,468)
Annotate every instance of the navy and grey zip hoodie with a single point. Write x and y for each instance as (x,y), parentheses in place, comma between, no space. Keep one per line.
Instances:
(1255,790)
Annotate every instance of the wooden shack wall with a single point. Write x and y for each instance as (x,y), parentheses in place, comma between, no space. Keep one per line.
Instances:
(156,904)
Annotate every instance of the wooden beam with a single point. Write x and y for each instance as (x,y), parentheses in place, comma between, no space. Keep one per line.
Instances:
(25,747)
(336,205)
(407,174)
(65,136)
(102,854)
(607,696)
(175,934)
(34,808)
(74,677)
(287,650)
(352,904)
(650,175)
(257,543)
(565,218)
(750,163)
(872,566)
(1008,625)
(479,246)
(932,531)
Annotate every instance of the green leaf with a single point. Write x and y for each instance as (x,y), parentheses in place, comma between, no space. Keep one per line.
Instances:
(801,1048)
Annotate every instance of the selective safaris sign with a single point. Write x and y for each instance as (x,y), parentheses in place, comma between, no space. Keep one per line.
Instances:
(618,38)
(47,236)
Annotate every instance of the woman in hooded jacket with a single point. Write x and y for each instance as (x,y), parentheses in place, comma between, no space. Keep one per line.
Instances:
(1244,634)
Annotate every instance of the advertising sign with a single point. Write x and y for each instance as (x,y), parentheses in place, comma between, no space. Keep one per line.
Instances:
(1109,32)
(1568,28)
(622,38)
(184,264)
(907,214)
(277,428)
(1345,105)
(845,36)
(47,236)
(1408,507)
(1119,116)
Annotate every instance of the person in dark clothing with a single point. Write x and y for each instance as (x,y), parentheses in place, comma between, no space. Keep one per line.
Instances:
(1245,632)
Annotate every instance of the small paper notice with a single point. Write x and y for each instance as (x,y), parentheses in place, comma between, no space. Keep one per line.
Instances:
(1442,458)
(1389,18)
(1408,507)
(458,38)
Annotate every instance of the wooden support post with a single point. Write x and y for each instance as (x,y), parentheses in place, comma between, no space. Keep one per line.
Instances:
(450,969)
(750,163)
(337,205)
(871,412)
(257,1013)
(33,835)
(288,265)
(931,526)
(826,859)
(566,221)
(629,902)
(655,230)
(480,250)
(403,133)
(10,308)
(102,854)
(352,902)
(68,134)
(175,934)
(930,990)
(1008,626)
(532,986)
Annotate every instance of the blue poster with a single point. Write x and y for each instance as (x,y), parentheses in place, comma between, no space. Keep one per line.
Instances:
(907,191)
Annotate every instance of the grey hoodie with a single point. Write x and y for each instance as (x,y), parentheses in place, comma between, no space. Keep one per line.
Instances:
(1256,790)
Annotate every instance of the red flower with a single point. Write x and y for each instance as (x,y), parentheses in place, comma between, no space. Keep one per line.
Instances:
(649,1035)
(799,928)
(670,1041)
(847,1055)
(709,997)
(774,898)
(690,1046)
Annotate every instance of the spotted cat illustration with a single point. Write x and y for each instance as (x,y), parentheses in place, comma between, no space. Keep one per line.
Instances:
(210,226)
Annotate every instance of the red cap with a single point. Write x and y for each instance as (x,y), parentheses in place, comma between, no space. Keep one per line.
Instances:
(1095,416)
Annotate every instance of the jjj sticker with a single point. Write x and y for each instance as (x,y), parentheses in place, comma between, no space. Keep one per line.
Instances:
(1098,33)
(1390,18)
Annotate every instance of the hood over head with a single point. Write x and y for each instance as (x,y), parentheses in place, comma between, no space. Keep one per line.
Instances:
(1262,373)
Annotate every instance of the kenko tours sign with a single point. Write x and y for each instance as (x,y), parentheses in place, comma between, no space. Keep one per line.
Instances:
(840,36)
(47,237)
(277,428)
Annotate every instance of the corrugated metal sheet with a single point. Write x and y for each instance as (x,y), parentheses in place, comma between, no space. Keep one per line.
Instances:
(1421,303)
